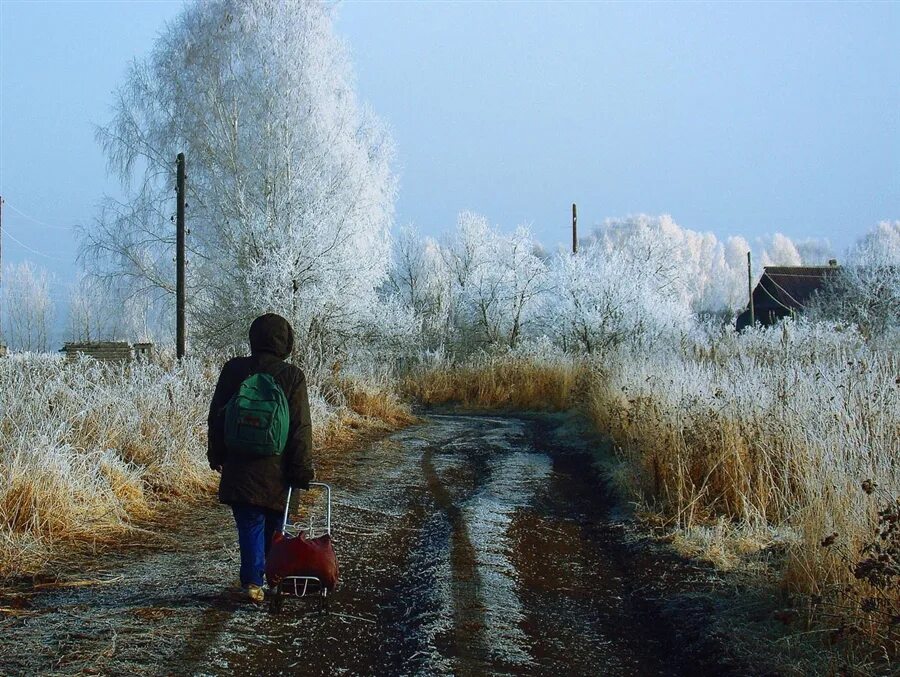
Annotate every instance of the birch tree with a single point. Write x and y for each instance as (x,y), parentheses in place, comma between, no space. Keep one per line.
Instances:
(600,299)
(94,315)
(29,309)
(866,290)
(290,188)
(494,280)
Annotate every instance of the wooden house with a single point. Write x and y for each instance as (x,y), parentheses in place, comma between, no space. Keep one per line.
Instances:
(785,291)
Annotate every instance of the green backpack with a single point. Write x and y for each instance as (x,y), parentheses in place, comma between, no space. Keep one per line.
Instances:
(257,417)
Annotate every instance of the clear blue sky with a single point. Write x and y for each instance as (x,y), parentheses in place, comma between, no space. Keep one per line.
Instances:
(736,118)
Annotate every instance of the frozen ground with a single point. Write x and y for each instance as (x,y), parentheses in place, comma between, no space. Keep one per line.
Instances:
(468,545)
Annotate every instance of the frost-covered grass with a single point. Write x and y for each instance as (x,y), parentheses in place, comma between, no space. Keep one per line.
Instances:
(84,447)
(786,438)
(88,449)
(527,378)
(775,428)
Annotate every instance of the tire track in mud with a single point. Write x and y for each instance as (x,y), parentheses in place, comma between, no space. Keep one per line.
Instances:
(468,612)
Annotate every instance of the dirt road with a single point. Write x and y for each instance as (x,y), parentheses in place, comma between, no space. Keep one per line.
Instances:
(468,545)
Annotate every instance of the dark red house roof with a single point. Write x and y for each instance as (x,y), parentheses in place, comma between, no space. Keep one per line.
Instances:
(785,290)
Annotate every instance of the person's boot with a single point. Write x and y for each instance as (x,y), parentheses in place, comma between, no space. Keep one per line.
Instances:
(256,594)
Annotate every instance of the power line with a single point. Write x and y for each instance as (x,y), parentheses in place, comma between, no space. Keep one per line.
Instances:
(34,251)
(27,247)
(769,294)
(786,293)
(38,221)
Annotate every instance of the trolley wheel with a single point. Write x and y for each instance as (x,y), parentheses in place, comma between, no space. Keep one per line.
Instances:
(276,604)
(323,605)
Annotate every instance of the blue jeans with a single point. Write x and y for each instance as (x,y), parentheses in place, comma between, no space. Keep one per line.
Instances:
(255,528)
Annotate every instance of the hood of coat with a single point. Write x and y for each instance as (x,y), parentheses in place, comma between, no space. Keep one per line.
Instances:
(271,333)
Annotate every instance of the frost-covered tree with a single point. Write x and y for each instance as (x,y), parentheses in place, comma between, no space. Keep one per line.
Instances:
(459,256)
(779,251)
(652,243)
(730,286)
(634,281)
(492,281)
(866,290)
(695,268)
(419,282)
(411,275)
(699,269)
(603,298)
(87,320)
(290,190)
(525,274)
(29,309)
(95,315)
(478,287)
(814,251)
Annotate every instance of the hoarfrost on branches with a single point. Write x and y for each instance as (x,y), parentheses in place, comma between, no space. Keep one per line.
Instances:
(95,315)
(780,251)
(290,189)
(814,251)
(603,297)
(476,288)
(866,290)
(702,272)
(494,279)
(28,309)
(635,280)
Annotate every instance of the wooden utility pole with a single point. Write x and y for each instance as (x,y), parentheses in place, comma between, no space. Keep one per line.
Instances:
(574,229)
(179,259)
(750,290)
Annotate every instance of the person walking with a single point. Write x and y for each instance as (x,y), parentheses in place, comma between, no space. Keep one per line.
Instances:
(260,440)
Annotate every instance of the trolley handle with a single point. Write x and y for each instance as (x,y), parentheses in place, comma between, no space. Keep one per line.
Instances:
(287,506)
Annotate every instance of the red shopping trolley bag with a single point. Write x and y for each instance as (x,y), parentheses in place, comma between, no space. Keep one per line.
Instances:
(302,556)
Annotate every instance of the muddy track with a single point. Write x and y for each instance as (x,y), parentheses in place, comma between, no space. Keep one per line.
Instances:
(468,545)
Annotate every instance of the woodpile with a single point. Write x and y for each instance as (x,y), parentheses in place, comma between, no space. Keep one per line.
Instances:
(108,351)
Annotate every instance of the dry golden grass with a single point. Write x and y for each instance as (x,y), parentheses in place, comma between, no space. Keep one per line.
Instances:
(767,439)
(379,404)
(503,382)
(739,452)
(88,451)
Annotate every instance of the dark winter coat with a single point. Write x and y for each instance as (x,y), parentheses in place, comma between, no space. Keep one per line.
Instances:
(263,480)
